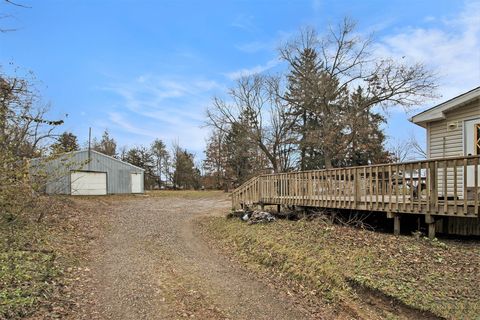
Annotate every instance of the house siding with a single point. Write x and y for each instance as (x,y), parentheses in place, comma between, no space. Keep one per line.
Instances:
(444,142)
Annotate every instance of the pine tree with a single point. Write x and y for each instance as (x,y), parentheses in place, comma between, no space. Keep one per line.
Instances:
(239,155)
(186,174)
(66,142)
(106,145)
(142,158)
(301,93)
(318,105)
(160,155)
(215,160)
(365,142)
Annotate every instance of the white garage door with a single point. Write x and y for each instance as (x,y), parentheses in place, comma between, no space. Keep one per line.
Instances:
(88,183)
(136,182)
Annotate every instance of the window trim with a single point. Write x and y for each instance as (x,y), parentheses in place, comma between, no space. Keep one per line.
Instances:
(476,138)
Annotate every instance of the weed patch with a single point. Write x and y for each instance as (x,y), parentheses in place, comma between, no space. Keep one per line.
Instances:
(25,279)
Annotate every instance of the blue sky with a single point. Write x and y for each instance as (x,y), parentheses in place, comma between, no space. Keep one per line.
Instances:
(147,69)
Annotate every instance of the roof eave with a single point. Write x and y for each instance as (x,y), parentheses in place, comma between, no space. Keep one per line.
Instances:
(422,120)
(438,112)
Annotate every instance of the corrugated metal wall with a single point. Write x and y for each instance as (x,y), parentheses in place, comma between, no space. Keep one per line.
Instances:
(118,172)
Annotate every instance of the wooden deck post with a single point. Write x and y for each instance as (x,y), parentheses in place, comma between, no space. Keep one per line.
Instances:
(396,224)
(431,231)
(278,208)
(431,187)
(430,221)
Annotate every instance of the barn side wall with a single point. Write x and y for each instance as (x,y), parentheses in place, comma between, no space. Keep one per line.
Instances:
(118,172)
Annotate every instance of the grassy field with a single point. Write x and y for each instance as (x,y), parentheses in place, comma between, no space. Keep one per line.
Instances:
(333,262)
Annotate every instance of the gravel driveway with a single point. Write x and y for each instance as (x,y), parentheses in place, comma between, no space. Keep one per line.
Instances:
(148,262)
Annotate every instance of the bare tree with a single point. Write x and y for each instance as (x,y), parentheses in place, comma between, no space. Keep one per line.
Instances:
(24,134)
(417,149)
(23,125)
(256,107)
(9,16)
(401,151)
(407,150)
(347,61)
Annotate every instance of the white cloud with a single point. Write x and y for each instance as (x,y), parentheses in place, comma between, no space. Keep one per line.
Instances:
(119,120)
(188,135)
(253,70)
(162,107)
(254,46)
(271,44)
(451,48)
(164,98)
(316,5)
(244,22)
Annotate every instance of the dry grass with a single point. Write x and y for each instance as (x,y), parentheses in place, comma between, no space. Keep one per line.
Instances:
(329,261)
(183,194)
(190,194)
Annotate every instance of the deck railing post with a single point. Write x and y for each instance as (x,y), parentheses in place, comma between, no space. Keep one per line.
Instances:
(259,188)
(432,187)
(356,188)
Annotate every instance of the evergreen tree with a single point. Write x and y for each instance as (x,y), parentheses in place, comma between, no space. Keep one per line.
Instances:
(365,142)
(186,174)
(142,158)
(66,142)
(160,158)
(303,81)
(215,160)
(318,105)
(239,155)
(107,145)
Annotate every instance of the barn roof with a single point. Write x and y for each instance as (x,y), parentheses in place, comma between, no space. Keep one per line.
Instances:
(438,112)
(112,158)
(103,155)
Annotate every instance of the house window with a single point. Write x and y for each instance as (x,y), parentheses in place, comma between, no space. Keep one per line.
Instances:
(477,139)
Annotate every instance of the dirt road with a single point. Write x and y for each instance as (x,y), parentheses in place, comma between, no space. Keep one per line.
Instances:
(148,262)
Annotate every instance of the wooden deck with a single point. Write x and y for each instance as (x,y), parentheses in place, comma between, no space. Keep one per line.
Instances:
(437,187)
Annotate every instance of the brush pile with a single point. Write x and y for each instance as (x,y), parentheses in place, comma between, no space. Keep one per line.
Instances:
(252,216)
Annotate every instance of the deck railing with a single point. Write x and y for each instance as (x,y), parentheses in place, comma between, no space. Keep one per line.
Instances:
(447,186)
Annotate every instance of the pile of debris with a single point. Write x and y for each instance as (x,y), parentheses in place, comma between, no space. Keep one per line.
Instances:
(252,216)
